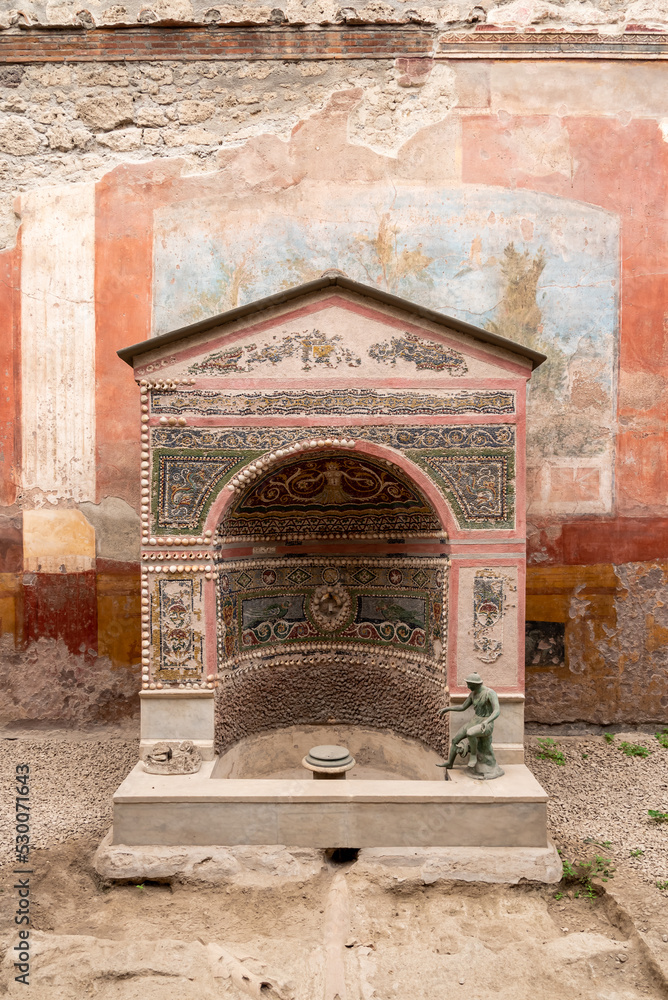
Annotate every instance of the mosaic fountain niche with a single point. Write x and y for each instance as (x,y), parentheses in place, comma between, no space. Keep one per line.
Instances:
(332,540)
(340,639)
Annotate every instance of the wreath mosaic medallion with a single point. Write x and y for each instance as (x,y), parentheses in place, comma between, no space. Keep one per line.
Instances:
(330,606)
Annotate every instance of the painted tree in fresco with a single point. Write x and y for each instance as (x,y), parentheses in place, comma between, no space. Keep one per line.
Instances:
(554,429)
(384,263)
(519,318)
(376,259)
(226,291)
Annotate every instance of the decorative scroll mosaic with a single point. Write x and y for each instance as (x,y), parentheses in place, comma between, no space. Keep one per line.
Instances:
(422,353)
(341,495)
(177,627)
(211,402)
(488,617)
(186,484)
(312,349)
(392,435)
(393,604)
(479,487)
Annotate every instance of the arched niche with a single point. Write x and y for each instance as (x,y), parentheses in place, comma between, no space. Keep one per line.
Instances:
(332,575)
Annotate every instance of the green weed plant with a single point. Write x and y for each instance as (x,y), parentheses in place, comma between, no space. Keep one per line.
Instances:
(548,750)
(634,749)
(579,875)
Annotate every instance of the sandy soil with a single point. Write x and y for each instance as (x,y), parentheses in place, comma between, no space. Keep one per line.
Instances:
(342,933)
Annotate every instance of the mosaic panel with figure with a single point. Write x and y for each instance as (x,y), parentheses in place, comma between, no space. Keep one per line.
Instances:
(343,495)
(177,629)
(274,604)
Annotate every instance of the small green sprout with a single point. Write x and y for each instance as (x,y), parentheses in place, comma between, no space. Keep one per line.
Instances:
(548,750)
(634,749)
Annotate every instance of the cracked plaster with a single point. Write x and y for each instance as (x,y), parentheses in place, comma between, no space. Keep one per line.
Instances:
(616,651)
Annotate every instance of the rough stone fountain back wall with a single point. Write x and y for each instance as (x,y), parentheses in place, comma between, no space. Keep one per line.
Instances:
(515,179)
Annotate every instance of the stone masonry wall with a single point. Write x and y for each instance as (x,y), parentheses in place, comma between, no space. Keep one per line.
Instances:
(608,16)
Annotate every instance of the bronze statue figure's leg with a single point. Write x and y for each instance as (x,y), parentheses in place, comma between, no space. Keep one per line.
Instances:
(456,739)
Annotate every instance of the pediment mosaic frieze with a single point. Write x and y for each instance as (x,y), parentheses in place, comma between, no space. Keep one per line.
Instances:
(425,355)
(315,349)
(212,402)
(311,348)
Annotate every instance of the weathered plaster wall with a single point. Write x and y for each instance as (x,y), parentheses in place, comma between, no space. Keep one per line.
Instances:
(617,642)
(527,196)
(608,16)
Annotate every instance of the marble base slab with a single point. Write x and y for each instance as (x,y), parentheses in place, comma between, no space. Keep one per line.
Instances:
(198,810)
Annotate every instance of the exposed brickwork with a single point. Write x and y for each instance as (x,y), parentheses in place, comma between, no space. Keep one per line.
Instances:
(294,43)
(134,44)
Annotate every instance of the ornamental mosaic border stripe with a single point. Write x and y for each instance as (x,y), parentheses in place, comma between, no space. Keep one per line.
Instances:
(368,402)
(400,436)
(58,43)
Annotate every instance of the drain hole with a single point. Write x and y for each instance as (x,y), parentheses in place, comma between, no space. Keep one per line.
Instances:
(342,855)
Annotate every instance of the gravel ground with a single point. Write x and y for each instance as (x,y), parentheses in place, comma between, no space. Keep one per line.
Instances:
(602,795)
(72,780)
(598,794)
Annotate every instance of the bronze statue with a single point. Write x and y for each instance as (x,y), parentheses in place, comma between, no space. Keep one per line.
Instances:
(475,738)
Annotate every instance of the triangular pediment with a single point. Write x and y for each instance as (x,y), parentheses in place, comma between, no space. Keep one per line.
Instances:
(329,330)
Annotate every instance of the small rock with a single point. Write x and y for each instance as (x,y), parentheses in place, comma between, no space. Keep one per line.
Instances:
(623,958)
(107,112)
(351,942)
(461,980)
(664,938)
(18,137)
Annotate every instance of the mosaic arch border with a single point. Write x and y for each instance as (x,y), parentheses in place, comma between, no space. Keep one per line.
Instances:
(438,501)
(231,450)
